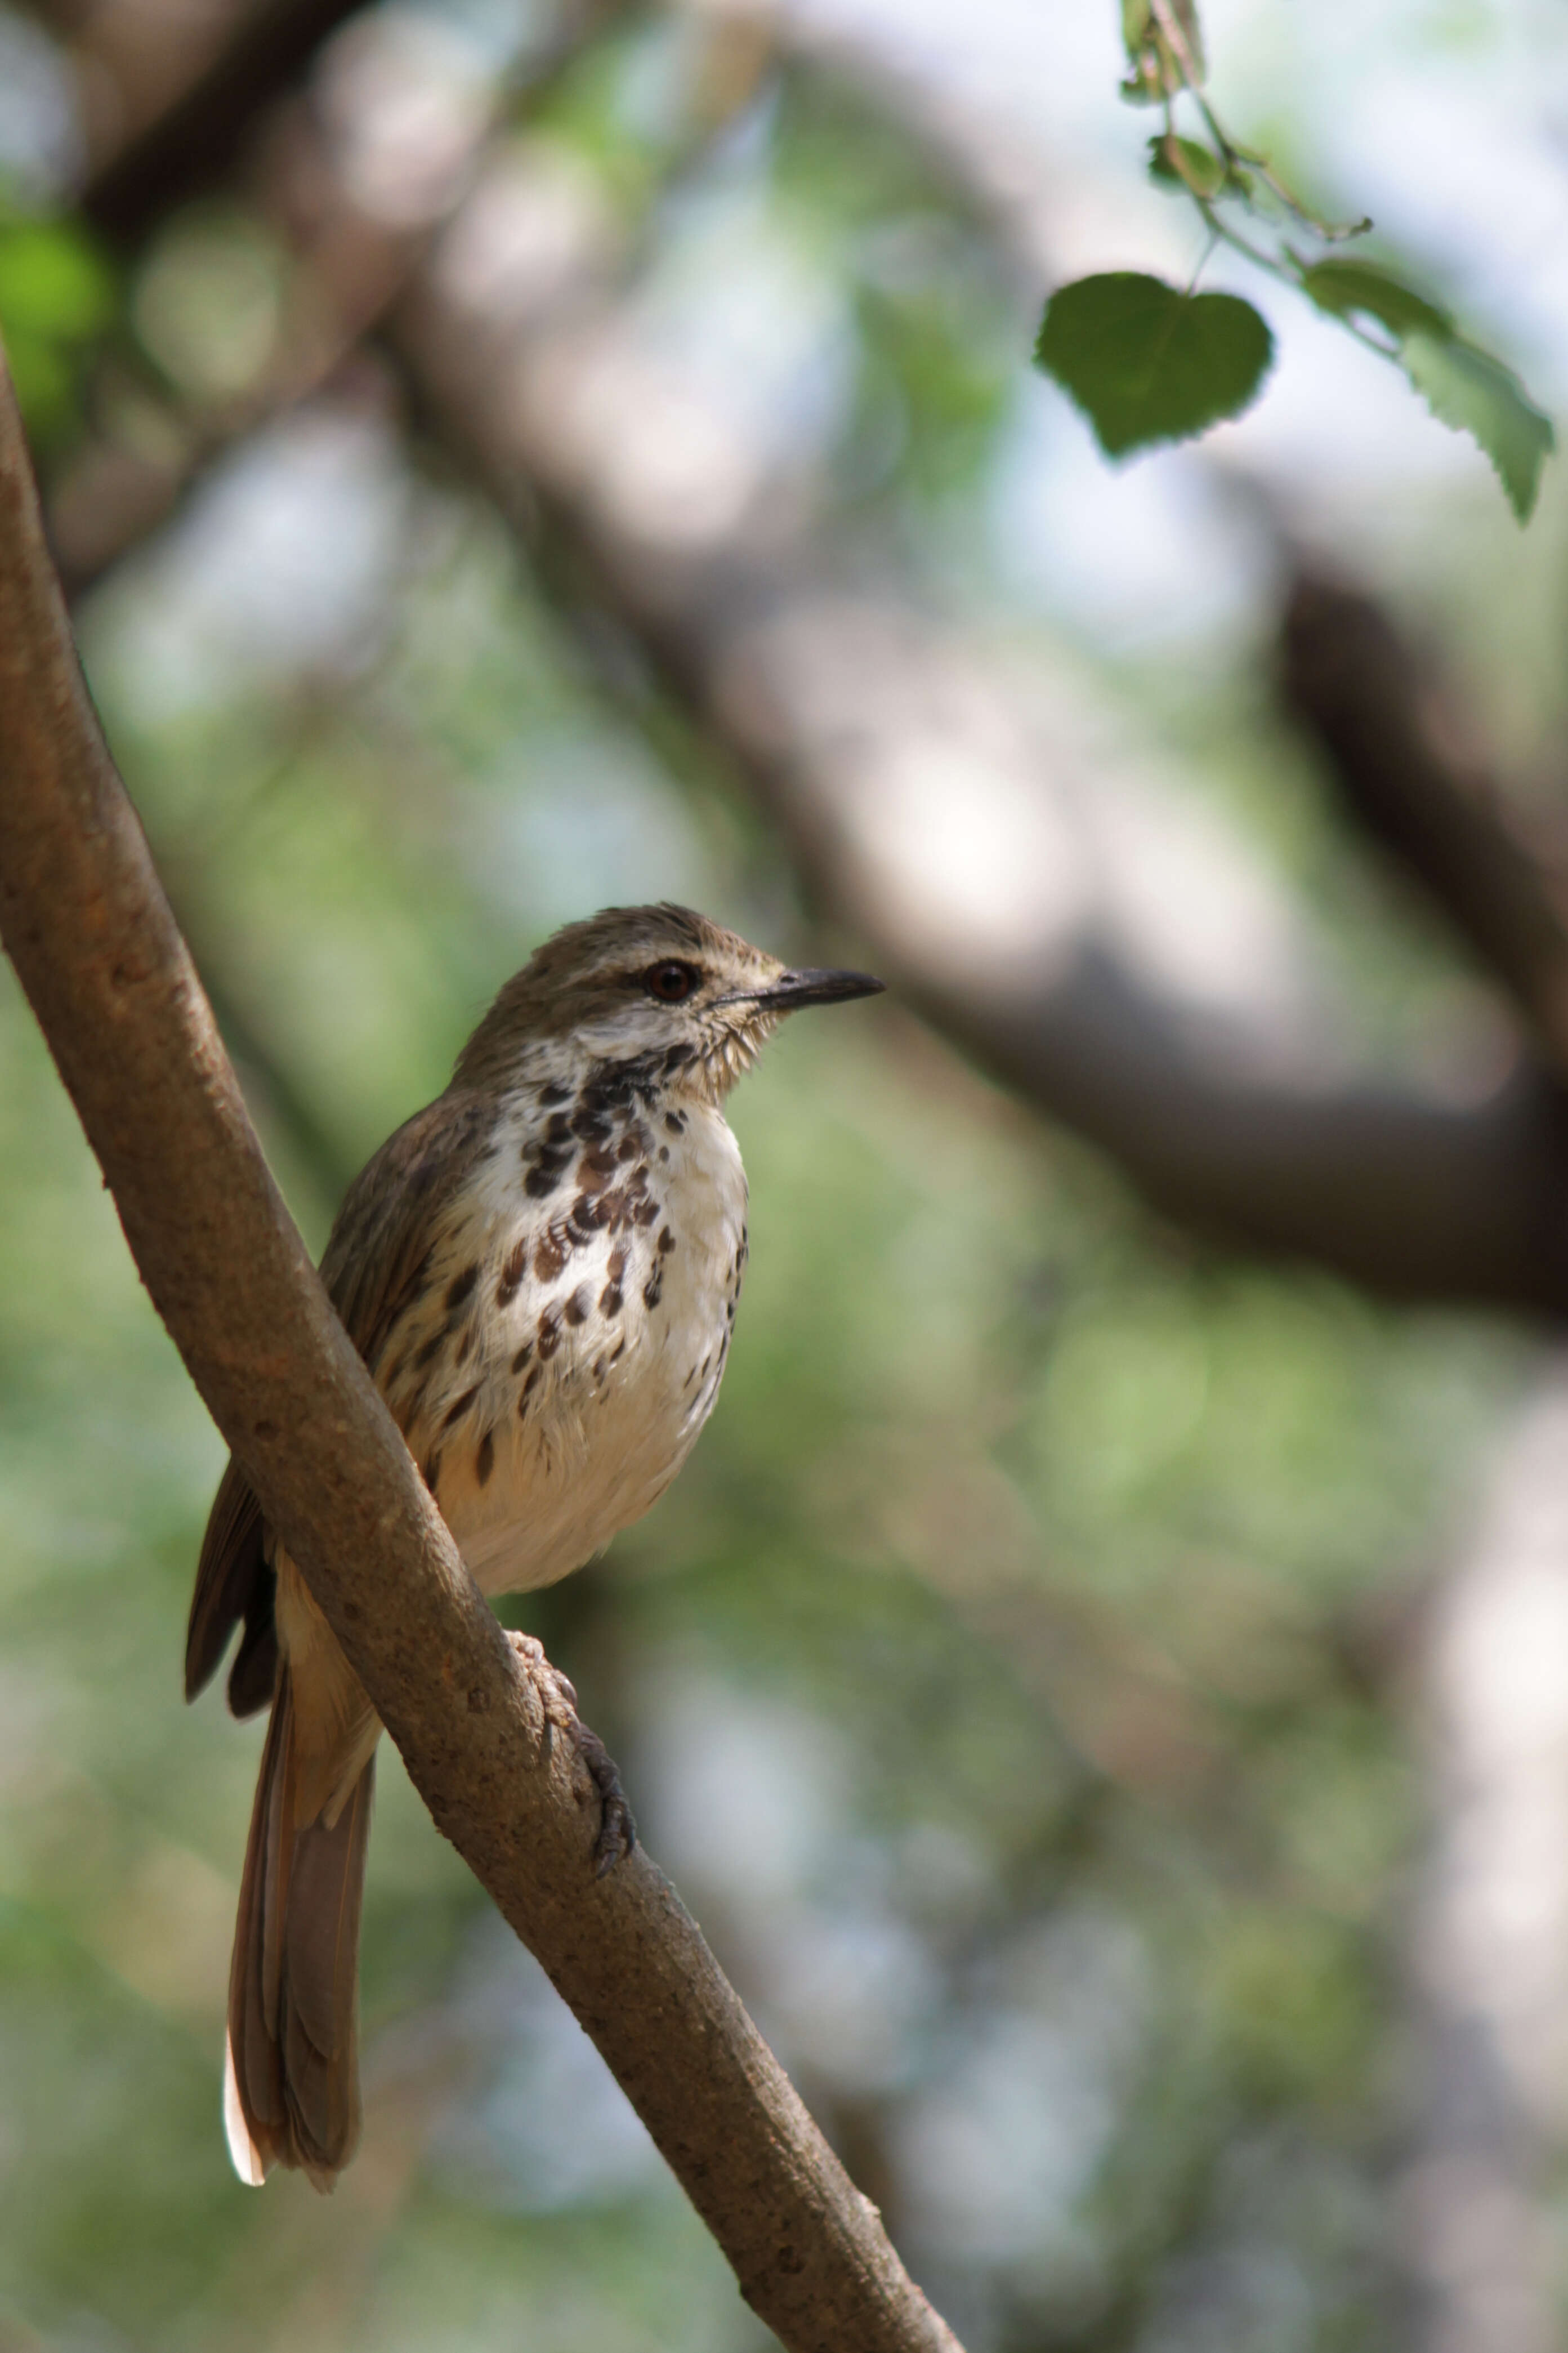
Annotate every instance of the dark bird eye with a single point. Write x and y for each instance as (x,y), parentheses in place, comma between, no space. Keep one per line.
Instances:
(672,982)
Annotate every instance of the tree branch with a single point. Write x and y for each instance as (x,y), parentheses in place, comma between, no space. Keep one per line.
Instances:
(86,926)
(897,767)
(171,98)
(1398,1189)
(1346,677)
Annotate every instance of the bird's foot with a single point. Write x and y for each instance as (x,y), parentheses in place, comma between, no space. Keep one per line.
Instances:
(617,1832)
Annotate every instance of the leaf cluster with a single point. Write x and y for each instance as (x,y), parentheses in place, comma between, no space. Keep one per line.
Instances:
(1148,361)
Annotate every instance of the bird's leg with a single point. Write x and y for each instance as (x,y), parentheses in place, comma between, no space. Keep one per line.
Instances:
(617,1830)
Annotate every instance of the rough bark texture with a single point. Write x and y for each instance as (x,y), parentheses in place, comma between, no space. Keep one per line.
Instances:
(87,927)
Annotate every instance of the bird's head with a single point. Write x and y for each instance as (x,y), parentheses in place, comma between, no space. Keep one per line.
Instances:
(660,982)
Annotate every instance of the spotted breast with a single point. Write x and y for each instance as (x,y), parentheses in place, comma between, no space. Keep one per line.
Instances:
(568,1345)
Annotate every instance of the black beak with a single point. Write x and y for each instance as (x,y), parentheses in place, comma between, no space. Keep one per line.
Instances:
(793,989)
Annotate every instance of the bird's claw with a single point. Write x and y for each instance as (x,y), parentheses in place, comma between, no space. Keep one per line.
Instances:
(617,1833)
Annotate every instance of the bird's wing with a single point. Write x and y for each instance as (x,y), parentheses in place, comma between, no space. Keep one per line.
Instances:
(375,1265)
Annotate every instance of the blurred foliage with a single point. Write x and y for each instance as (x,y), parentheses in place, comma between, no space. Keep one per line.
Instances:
(1007,1679)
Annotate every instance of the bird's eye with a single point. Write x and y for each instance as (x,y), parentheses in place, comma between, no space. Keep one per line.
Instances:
(671,983)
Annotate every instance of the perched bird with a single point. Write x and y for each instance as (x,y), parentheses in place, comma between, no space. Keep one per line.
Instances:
(540,1272)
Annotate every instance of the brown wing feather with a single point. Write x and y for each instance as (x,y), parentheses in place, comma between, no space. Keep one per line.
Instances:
(375,1266)
(231,1577)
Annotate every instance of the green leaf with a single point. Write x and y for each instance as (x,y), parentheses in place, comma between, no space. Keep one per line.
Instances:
(1191,166)
(1146,362)
(1468,389)
(1348,289)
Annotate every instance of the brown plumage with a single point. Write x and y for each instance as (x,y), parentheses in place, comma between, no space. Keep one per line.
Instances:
(540,1270)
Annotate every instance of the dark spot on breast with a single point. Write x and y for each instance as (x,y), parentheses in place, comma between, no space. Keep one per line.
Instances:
(577,1306)
(645,1213)
(664,1152)
(675,1122)
(485,1460)
(540,1183)
(617,1265)
(667,1241)
(596,1169)
(590,1122)
(427,1353)
(598,1369)
(532,1381)
(587,1216)
(653,1289)
(610,1299)
(431,1473)
(620,1351)
(512,1274)
(455,1412)
(554,1093)
(459,1287)
(464,1346)
(677,1057)
(549,1333)
(558,1128)
(549,1257)
(523,1356)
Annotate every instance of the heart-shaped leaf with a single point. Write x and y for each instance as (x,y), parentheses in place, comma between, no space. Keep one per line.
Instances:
(1146,362)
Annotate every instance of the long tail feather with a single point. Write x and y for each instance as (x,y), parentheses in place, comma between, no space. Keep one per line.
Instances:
(291,2078)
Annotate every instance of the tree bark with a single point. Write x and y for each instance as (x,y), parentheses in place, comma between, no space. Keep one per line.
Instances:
(86,926)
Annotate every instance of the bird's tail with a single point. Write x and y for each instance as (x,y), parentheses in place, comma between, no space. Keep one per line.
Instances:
(291,2077)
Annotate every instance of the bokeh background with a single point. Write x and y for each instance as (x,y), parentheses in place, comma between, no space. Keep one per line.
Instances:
(1103,1681)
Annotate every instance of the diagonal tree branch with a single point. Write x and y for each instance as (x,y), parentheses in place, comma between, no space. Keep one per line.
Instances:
(88,930)
(872,741)
(1401,1191)
(1348,679)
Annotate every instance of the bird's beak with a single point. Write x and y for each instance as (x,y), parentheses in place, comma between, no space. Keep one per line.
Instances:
(793,989)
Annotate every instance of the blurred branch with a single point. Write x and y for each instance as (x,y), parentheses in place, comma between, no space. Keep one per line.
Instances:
(870,738)
(170,96)
(348,255)
(511,339)
(86,924)
(1352,684)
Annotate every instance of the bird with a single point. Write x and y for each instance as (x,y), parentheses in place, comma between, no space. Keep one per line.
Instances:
(540,1272)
